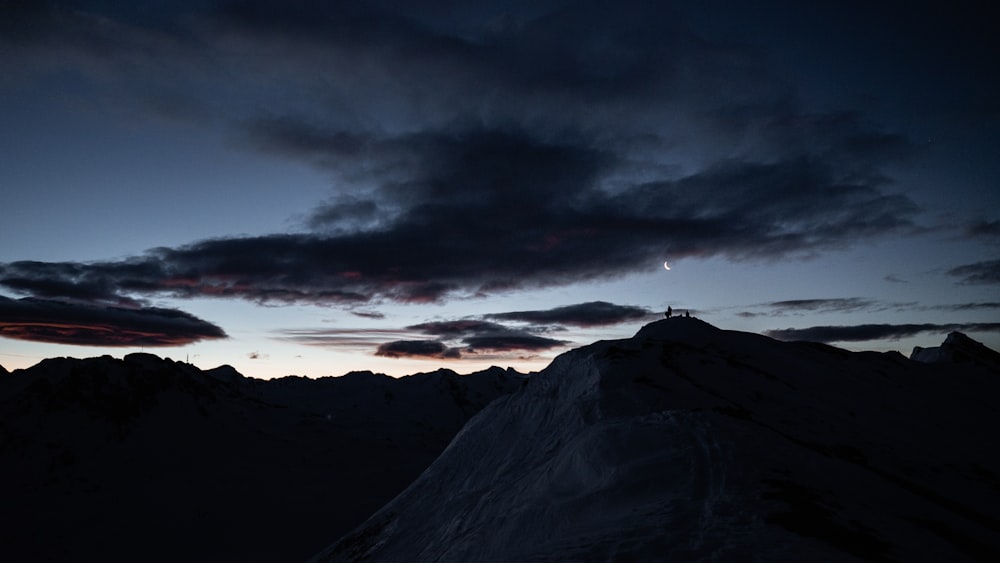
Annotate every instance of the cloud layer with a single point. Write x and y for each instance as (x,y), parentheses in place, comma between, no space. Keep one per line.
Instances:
(868,332)
(500,213)
(94,325)
(591,314)
(492,150)
(986,272)
(470,338)
(477,337)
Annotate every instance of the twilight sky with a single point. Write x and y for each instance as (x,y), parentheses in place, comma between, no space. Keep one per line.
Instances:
(312,188)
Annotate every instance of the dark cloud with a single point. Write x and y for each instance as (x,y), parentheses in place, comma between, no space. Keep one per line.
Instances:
(478,336)
(345,214)
(893,278)
(100,325)
(823,305)
(840,304)
(867,332)
(63,280)
(973,306)
(395,64)
(594,313)
(511,342)
(982,228)
(454,339)
(417,348)
(368,314)
(498,212)
(985,272)
(459,328)
(509,148)
(856,304)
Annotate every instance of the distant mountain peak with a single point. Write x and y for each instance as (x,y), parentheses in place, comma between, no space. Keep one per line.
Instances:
(226,373)
(958,348)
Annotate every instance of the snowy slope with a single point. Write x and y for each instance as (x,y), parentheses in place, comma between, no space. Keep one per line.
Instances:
(690,443)
(145,459)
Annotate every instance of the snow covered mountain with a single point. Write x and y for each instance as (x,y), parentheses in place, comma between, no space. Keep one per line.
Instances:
(958,348)
(690,443)
(146,459)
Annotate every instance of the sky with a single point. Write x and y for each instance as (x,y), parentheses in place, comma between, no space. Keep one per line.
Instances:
(313,188)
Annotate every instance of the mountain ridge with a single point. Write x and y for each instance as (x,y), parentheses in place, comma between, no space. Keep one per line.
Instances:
(684,442)
(689,443)
(105,459)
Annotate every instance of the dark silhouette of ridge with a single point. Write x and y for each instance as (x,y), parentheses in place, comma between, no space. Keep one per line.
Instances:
(154,460)
(685,442)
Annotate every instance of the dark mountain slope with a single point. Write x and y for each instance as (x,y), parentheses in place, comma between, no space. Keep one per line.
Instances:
(144,459)
(690,443)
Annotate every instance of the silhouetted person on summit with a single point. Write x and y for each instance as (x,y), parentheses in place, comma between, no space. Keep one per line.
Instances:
(669,312)
(687,314)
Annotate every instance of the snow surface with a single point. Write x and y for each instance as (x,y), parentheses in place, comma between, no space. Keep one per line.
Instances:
(145,459)
(690,443)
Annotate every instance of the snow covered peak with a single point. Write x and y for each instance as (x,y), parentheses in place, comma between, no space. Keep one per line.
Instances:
(958,348)
(691,443)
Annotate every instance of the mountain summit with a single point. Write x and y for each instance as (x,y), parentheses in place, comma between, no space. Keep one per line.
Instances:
(958,348)
(691,443)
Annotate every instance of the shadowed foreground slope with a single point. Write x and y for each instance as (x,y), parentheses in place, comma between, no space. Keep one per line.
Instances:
(144,459)
(690,443)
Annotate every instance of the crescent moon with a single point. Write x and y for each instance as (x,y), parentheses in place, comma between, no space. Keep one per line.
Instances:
(666,266)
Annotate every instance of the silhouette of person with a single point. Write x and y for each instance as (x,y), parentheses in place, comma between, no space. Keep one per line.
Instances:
(670,312)
(687,314)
